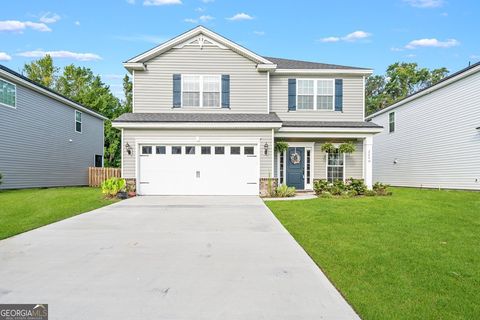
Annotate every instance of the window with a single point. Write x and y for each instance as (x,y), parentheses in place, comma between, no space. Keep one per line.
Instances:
(315,94)
(248,150)
(206,150)
(219,150)
(201,91)
(282,166)
(98,161)
(146,149)
(8,93)
(160,150)
(78,121)
(190,150)
(335,166)
(391,122)
(234,150)
(176,150)
(308,160)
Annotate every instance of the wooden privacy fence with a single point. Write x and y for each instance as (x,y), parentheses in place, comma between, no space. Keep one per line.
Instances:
(97,175)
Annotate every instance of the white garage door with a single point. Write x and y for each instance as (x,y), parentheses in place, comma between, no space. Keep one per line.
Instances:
(198,169)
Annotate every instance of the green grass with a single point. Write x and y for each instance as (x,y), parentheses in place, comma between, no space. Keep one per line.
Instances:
(414,255)
(23,210)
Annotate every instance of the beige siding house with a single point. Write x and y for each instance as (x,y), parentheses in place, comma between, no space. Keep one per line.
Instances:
(207,114)
(432,138)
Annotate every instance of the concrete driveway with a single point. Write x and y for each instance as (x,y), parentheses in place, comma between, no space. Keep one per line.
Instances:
(169,258)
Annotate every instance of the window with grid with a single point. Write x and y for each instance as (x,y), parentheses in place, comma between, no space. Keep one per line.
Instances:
(325,95)
(335,166)
(201,91)
(78,121)
(282,166)
(305,94)
(391,122)
(308,159)
(190,91)
(7,93)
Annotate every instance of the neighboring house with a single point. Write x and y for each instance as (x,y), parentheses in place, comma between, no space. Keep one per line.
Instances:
(207,113)
(432,138)
(46,139)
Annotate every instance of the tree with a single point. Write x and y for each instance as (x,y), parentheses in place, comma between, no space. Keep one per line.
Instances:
(83,86)
(400,80)
(42,71)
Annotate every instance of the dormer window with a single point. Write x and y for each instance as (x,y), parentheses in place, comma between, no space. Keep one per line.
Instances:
(201,91)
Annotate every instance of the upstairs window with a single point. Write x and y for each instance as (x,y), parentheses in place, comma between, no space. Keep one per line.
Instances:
(315,94)
(201,91)
(391,122)
(8,93)
(78,121)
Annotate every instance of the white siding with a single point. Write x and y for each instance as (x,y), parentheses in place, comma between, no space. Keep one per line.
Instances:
(435,141)
(153,87)
(131,136)
(352,100)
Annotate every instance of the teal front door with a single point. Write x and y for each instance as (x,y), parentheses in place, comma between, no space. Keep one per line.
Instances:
(296,168)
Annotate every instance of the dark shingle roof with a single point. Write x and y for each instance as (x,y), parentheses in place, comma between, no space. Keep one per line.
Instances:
(198,117)
(299,64)
(331,124)
(21,76)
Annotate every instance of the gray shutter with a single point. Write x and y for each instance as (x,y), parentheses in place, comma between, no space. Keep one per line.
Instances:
(292,94)
(177,90)
(225,91)
(338,94)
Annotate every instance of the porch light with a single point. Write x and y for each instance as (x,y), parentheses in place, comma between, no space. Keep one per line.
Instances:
(265,148)
(129,149)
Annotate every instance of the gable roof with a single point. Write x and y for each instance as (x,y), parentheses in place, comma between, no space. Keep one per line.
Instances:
(299,64)
(199,30)
(420,93)
(15,76)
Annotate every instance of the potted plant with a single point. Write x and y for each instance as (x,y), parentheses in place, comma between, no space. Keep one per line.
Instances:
(347,147)
(328,147)
(131,190)
(281,146)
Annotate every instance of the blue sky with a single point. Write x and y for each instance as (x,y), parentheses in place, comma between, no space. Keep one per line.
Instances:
(102,34)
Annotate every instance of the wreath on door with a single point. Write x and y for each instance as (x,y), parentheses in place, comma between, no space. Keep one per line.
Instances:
(295,157)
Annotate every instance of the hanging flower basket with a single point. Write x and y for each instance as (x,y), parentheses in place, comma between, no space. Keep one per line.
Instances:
(347,147)
(328,147)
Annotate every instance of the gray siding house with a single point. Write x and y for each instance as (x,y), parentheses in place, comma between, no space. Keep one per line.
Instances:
(208,112)
(432,138)
(46,140)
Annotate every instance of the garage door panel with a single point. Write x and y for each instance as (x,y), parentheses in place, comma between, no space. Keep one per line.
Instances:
(198,174)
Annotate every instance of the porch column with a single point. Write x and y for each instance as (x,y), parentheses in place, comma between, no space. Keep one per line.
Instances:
(367,161)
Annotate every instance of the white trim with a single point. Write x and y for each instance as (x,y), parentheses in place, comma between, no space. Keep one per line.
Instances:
(268,92)
(426,91)
(315,94)
(272,148)
(133,91)
(227,125)
(190,34)
(323,71)
(363,97)
(15,86)
(266,67)
(81,121)
(306,146)
(121,154)
(50,94)
(321,135)
(344,166)
(94,159)
(327,130)
(203,41)
(201,92)
(135,66)
(390,131)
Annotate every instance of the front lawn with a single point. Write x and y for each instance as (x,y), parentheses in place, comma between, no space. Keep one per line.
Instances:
(414,255)
(23,210)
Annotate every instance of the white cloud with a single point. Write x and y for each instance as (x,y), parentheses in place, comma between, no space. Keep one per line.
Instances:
(410,56)
(49,17)
(205,18)
(5,57)
(395,49)
(61,54)
(190,20)
(240,16)
(422,43)
(130,1)
(142,38)
(199,9)
(425,3)
(20,26)
(161,2)
(351,37)
(259,33)
(77,23)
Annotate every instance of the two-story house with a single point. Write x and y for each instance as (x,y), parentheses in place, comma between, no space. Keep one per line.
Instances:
(46,139)
(207,113)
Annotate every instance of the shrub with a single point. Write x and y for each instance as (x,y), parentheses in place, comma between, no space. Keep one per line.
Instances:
(370,193)
(320,186)
(381,189)
(112,186)
(283,191)
(326,194)
(356,185)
